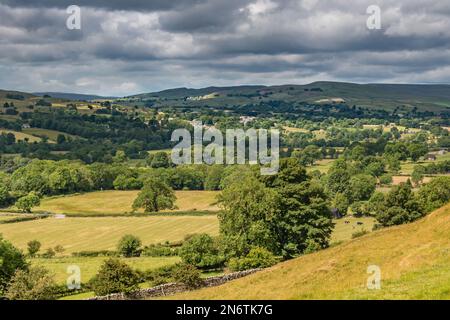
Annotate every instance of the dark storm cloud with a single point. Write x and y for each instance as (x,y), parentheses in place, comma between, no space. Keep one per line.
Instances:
(130,46)
(210,16)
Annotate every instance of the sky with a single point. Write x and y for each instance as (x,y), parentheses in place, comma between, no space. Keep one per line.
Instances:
(129,47)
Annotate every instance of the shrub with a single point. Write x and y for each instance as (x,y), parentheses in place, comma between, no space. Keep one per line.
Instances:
(33,247)
(160,275)
(33,284)
(49,253)
(129,246)
(201,251)
(159,250)
(386,179)
(59,249)
(257,258)
(100,253)
(11,259)
(358,234)
(115,276)
(188,275)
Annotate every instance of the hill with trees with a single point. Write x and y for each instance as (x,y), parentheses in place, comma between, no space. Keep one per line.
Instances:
(413,260)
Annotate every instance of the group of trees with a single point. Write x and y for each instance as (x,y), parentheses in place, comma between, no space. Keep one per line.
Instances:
(286,214)
(31,180)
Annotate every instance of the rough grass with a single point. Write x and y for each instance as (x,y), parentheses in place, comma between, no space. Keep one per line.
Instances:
(79,234)
(407,167)
(343,231)
(322,165)
(120,202)
(89,265)
(21,136)
(51,134)
(413,258)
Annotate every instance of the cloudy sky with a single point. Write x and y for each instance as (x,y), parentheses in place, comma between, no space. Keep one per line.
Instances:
(127,47)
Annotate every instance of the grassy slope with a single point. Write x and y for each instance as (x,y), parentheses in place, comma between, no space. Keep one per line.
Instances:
(384,96)
(77,234)
(414,261)
(111,202)
(51,134)
(21,135)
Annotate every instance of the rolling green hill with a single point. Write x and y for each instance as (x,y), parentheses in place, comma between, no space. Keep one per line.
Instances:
(380,96)
(414,260)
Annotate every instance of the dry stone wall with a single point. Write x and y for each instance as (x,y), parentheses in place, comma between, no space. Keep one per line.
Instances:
(173,288)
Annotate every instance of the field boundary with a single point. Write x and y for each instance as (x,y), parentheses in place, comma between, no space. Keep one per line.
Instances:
(173,288)
(139,215)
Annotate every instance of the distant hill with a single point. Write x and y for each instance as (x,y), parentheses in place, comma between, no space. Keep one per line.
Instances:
(380,96)
(72,96)
(14,95)
(413,259)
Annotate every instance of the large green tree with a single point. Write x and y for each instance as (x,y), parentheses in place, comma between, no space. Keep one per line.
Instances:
(156,195)
(286,214)
(11,259)
(435,194)
(361,187)
(400,206)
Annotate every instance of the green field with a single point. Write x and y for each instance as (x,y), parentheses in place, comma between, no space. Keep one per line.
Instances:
(51,134)
(322,165)
(89,266)
(407,167)
(413,260)
(79,234)
(120,202)
(21,136)
(344,231)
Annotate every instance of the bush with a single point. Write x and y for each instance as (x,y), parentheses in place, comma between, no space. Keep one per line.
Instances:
(49,253)
(358,234)
(129,246)
(160,275)
(33,284)
(115,276)
(257,258)
(386,179)
(201,251)
(59,249)
(33,247)
(11,260)
(100,253)
(188,275)
(159,250)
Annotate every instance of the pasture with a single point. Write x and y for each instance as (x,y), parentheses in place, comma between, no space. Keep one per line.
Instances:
(89,266)
(407,167)
(51,134)
(21,136)
(120,202)
(103,233)
(344,231)
(80,234)
(322,165)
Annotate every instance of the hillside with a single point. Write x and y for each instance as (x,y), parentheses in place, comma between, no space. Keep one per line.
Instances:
(379,96)
(414,261)
(72,96)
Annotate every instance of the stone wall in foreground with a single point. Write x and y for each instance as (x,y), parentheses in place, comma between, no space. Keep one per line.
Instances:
(173,288)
